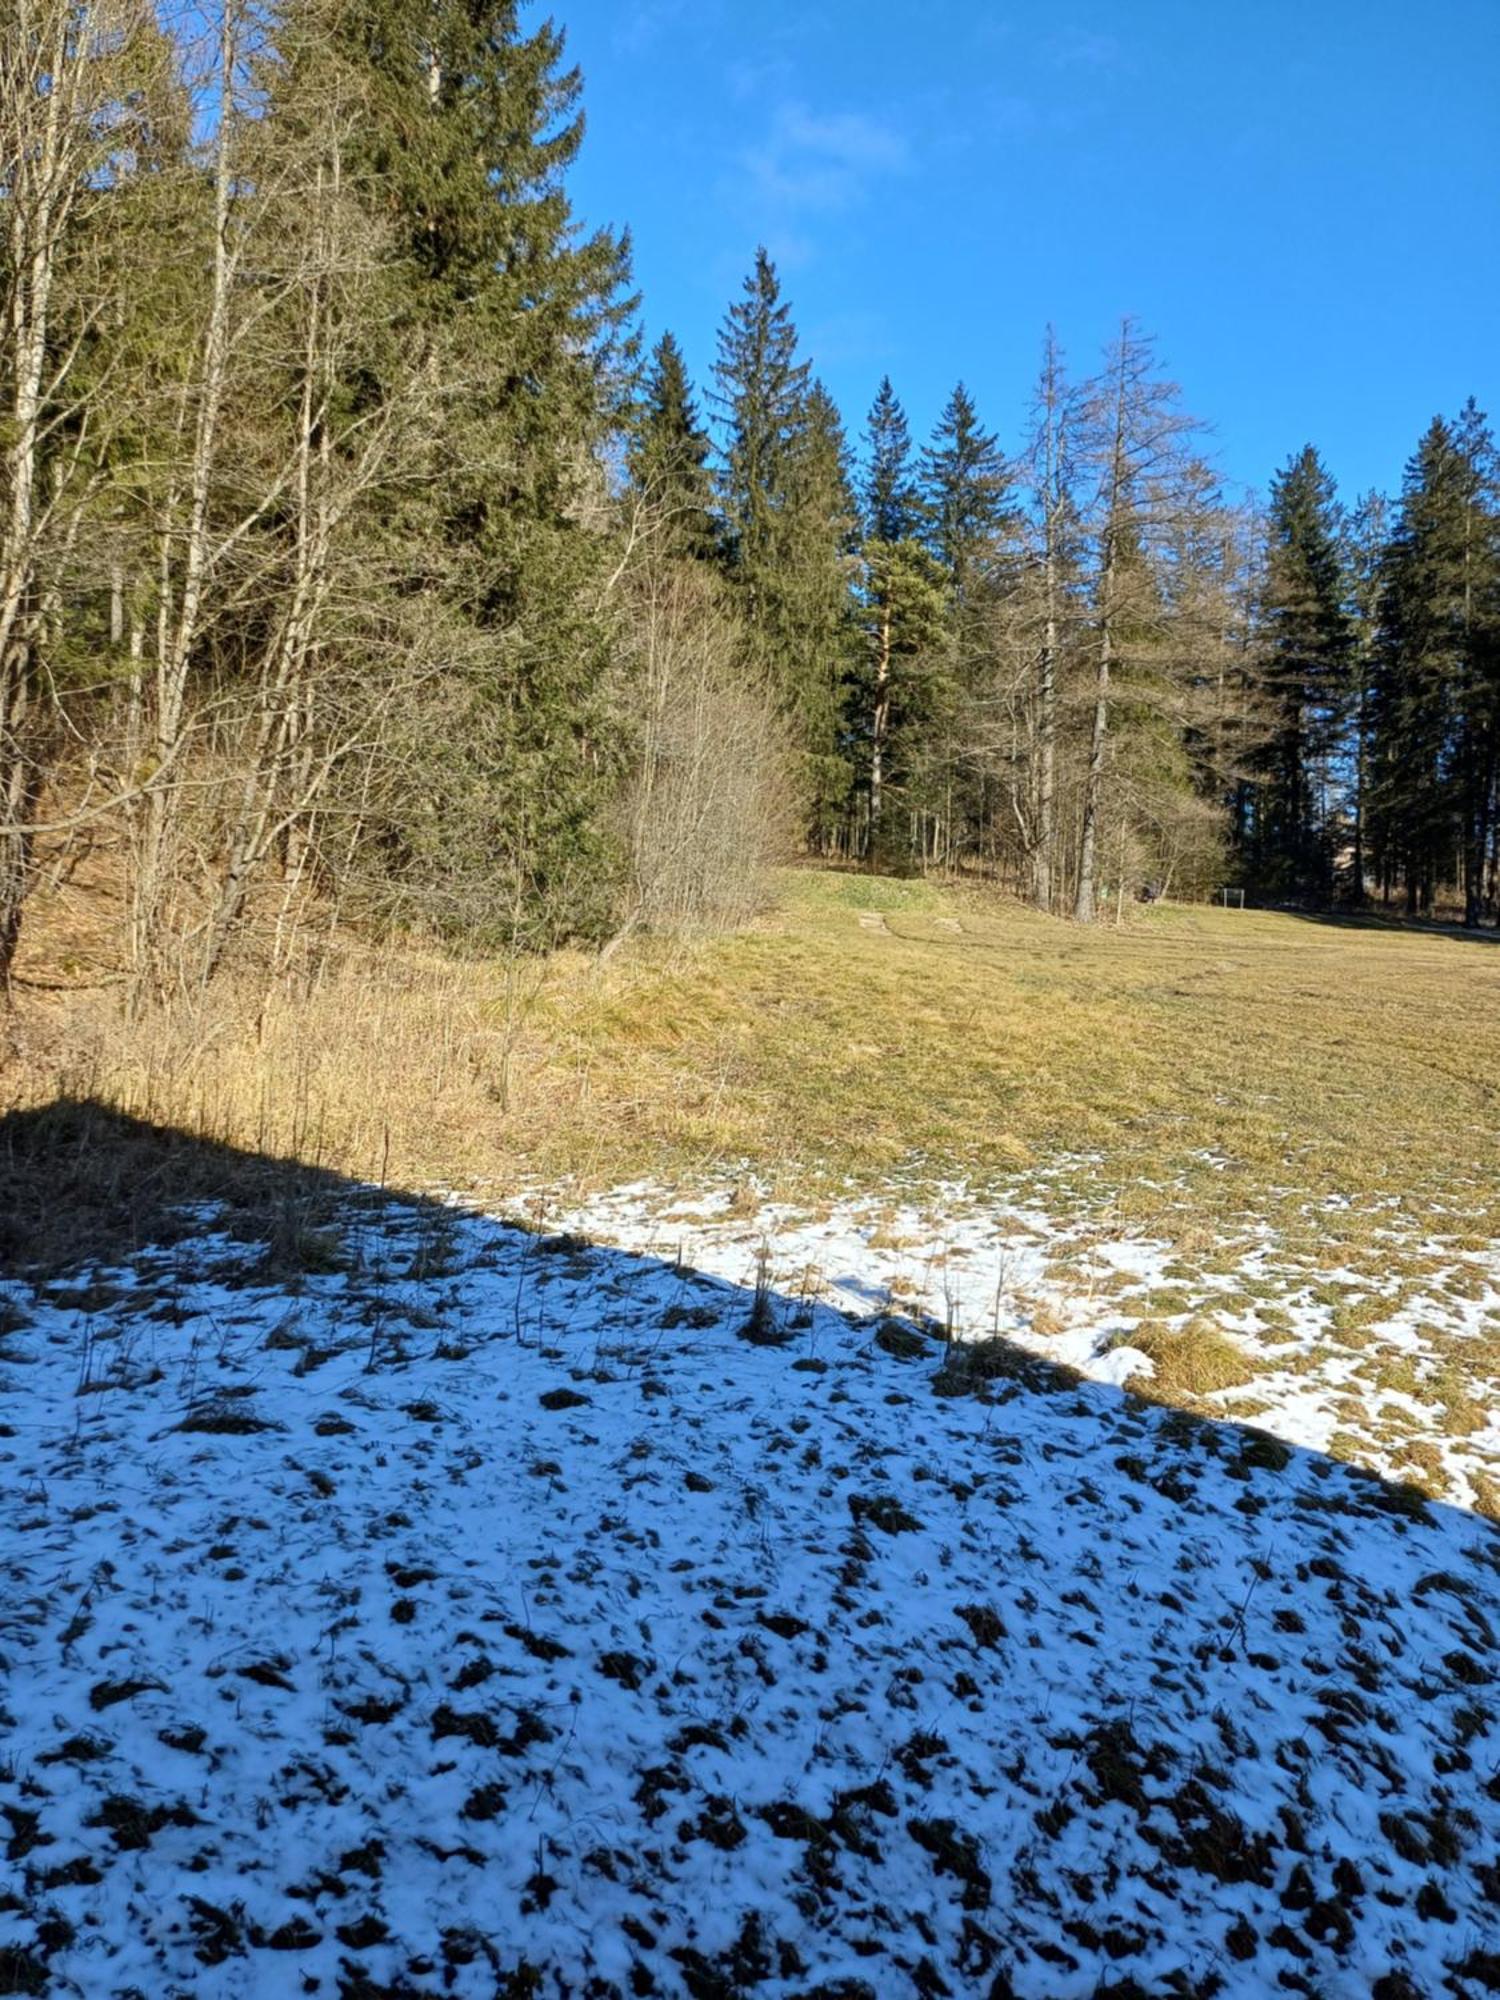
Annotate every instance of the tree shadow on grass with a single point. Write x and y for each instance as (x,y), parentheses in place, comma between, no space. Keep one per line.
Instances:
(374,1562)
(1381,923)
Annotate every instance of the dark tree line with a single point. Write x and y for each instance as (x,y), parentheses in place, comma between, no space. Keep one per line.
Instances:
(1380,641)
(354,560)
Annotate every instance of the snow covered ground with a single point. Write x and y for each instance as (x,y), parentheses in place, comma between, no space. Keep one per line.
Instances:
(1332,1351)
(441,1608)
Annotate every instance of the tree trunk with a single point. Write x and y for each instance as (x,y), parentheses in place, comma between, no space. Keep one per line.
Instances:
(880,724)
(1084,902)
(1044,851)
(178,620)
(43,122)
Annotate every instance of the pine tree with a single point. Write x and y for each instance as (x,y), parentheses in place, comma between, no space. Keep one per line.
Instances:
(1306,660)
(668,457)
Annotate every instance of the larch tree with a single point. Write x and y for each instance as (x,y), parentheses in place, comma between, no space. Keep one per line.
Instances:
(80,81)
(1366,532)
(1052,466)
(1135,434)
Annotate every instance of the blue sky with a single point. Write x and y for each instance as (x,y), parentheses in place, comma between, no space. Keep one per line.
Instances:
(1302,201)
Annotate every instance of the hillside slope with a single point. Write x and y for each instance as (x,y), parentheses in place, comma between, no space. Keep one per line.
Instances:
(422,1606)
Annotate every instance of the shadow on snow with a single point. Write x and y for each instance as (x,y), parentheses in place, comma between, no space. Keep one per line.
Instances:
(453,1607)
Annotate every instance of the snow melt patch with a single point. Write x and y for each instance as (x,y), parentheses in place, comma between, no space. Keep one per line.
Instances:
(981,1267)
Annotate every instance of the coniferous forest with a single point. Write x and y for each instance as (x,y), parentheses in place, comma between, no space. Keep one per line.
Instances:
(361,555)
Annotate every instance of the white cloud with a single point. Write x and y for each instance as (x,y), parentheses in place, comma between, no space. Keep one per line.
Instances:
(821,163)
(639,26)
(1082,48)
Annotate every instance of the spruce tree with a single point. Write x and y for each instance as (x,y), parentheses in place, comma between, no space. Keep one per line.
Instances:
(902,602)
(965,488)
(891,503)
(813,610)
(788,520)
(1478,693)
(499,780)
(969,525)
(762,395)
(1306,660)
(1434,694)
(668,457)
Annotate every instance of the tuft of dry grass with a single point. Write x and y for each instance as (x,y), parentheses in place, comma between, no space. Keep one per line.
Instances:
(1198,1359)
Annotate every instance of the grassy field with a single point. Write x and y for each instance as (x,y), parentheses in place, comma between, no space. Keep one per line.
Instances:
(1299,1116)
(1194,1065)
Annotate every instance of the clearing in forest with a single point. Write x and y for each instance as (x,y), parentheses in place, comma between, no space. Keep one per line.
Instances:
(722,1547)
(1251,1157)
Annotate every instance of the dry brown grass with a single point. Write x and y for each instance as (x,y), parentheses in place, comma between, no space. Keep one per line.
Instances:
(1190,1071)
(1198,1359)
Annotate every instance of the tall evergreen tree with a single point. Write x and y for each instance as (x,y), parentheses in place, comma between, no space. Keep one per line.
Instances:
(1306,659)
(970,527)
(668,457)
(788,515)
(966,495)
(473,123)
(1436,683)
(902,616)
(814,611)
(1478,693)
(762,395)
(891,503)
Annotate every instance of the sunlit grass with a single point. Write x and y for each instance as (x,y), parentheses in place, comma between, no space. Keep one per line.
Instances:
(1193,1068)
(1196,1074)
